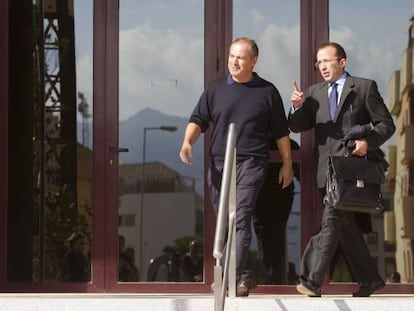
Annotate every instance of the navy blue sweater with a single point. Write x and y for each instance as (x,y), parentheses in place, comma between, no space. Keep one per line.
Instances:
(255,107)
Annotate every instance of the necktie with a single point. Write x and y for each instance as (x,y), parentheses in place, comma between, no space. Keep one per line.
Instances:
(333,99)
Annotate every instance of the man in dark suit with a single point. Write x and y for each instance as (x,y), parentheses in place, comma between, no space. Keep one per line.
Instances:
(357,102)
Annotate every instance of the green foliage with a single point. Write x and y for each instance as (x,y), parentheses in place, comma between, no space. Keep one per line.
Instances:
(59,225)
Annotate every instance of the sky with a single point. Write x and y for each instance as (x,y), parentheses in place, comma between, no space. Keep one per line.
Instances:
(161,46)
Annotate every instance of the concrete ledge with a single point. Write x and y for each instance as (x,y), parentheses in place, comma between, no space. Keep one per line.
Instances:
(128,302)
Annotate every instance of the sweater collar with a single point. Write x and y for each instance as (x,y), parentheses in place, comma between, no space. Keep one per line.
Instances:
(231,81)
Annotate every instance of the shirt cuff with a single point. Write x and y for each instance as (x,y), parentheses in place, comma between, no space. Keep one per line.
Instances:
(293,109)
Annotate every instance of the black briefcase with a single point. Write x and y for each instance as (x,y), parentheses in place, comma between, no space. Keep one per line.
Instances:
(354,184)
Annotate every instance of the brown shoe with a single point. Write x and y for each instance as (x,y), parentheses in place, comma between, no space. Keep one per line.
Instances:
(305,290)
(243,288)
(307,287)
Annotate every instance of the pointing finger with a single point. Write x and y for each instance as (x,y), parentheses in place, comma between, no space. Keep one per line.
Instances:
(295,86)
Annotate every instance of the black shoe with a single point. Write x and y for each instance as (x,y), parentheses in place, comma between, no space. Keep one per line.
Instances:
(243,288)
(366,289)
(306,287)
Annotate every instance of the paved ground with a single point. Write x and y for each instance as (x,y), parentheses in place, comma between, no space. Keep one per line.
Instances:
(129,302)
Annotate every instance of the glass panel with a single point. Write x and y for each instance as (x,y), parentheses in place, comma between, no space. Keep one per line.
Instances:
(275,26)
(50,144)
(380,52)
(160,200)
(276,224)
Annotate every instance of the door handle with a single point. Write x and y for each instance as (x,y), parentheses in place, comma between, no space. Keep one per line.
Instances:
(113,149)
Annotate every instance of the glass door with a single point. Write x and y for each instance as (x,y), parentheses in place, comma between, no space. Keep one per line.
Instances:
(276,244)
(160,200)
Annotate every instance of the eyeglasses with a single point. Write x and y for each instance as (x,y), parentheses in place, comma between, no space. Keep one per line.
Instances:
(324,61)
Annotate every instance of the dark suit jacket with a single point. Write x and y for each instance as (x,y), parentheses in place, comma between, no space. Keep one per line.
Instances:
(360,103)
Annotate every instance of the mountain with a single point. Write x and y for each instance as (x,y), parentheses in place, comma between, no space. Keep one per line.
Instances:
(160,145)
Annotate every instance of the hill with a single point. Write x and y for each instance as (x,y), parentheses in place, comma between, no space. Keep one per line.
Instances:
(160,145)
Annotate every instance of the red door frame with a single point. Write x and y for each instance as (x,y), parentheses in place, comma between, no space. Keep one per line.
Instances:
(4,99)
(217,36)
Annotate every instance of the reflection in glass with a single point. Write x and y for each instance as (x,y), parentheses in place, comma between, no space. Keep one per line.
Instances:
(277,33)
(160,201)
(49,230)
(276,223)
(391,237)
(275,26)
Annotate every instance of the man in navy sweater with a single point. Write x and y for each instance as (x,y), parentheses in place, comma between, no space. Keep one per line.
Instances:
(256,108)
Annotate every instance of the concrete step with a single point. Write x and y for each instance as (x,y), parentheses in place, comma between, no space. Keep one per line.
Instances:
(129,302)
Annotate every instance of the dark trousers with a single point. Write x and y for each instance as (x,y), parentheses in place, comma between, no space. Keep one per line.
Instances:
(271,214)
(338,229)
(250,174)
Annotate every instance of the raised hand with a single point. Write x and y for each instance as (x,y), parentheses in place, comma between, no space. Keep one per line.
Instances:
(297,97)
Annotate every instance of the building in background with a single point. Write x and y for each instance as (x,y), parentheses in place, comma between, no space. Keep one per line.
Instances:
(399,223)
(162,223)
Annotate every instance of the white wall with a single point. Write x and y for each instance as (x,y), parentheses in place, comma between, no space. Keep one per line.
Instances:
(167,216)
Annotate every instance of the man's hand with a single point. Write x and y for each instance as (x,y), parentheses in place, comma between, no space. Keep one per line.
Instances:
(361,148)
(286,171)
(186,153)
(285,175)
(297,97)
(192,132)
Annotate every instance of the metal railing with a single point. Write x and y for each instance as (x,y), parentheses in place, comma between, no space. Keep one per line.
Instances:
(225,279)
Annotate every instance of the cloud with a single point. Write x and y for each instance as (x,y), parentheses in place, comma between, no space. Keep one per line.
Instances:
(161,70)
(369,56)
(258,19)
(279,57)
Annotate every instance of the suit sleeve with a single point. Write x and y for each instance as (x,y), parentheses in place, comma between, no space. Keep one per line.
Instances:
(303,118)
(383,124)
